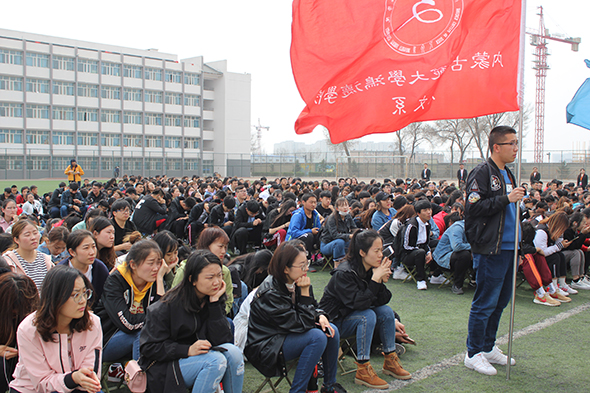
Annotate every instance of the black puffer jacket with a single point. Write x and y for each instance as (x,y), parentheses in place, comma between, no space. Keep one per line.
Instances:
(168,333)
(350,290)
(337,228)
(272,317)
(485,208)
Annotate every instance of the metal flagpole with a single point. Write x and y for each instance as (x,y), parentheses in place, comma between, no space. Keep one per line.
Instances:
(518,167)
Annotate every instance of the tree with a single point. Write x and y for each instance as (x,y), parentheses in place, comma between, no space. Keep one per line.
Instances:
(457,133)
(409,138)
(339,148)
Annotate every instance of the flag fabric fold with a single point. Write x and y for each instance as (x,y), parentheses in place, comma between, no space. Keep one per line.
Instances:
(375,66)
(578,110)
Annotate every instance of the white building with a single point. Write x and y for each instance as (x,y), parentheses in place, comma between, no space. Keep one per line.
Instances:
(107,106)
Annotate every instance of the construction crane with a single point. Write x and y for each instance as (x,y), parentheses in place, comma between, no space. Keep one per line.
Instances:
(258,145)
(539,41)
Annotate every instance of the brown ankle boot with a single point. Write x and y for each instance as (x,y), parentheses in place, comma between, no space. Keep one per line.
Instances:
(365,375)
(392,366)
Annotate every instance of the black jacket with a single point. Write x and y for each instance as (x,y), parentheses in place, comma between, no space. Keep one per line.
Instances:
(582,181)
(272,317)
(55,200)
(168,333)
(350,290)
(462,175)
(242,217)
(337,228)
(410,240)
(217,216)
(147,211)
(114,304)
(175,211)
(485,208)
(92,199)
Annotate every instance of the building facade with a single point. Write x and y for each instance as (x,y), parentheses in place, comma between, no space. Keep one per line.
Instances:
(106,106)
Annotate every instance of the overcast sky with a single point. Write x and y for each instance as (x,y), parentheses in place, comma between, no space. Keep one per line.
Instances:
(254,36)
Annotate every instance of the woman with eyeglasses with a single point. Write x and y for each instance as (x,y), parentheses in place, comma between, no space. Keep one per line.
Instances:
(60,345)
(285,323)
(82,250)
(356,299)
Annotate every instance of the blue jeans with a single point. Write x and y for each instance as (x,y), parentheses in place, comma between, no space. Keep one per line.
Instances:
(204,372)
(494,289)
(121,346)
(310,347)
(336,248)
(362,324)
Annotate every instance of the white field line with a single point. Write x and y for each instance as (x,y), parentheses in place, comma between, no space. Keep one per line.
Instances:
(457,359)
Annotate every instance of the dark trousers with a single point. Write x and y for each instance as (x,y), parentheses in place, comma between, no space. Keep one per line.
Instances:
(416,258)
(461,261)
(312,242)
(557,265)
(242,236)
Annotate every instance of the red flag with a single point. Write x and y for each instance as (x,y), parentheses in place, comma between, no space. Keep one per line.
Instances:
(375,66)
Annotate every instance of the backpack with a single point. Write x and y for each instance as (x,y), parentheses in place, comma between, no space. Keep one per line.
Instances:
(398,242)
(385,233)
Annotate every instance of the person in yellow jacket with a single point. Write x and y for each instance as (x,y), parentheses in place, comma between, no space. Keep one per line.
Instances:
(74,172)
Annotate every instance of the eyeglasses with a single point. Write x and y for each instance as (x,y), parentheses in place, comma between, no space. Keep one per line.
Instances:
(84,295)
(513,144)
(303,267)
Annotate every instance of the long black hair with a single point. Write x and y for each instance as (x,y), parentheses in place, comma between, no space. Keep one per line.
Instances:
(256,269)
(285,206)
(361,240)
(185,292)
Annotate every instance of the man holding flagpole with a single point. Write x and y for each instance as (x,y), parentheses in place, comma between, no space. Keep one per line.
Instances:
(490,224)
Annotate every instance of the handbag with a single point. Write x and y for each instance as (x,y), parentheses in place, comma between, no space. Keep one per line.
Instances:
(135,377)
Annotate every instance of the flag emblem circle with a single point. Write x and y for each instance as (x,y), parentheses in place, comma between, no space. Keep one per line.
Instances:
(417,27)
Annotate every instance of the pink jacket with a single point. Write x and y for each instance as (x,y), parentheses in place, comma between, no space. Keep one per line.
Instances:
(43,367)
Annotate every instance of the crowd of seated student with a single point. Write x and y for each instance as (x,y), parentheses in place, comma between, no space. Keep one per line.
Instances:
(225,218)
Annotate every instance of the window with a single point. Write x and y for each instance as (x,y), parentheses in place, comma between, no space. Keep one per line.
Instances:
(172,142)
(173,164)
(153,96)
(191,121)
(38,85)
(132,94)
(110,140)
(111,92)
(132,164)
(63,138)
(208,166)
(132,140)
(109,116)
(35,137)
(191,100)
(191,79)
(37,111)
(37,60)
(154,74)
(85,90)
(11,136)
(11,83)
(63,63)
(153,164)
(11,163)
(63,88)
(174,120)
(11,110)
(59,163)
(132,71)
(87,65)
(87,114)
(11,57)
(153,119)
(153,141)
(113,69)
(191,165)
(174,98)
(63,113)
(174,76)
(87,139)
(191,143)
(132,117)
(38,163)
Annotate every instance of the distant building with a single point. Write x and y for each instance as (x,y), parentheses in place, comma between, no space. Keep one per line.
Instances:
(108,106)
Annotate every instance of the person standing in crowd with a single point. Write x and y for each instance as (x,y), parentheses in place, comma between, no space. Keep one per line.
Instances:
(425,175)
(582,180)
(535,176)
(74,172)
(461,175)
(490,224)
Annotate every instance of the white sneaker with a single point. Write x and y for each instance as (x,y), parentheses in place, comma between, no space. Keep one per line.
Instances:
(480,364)
(586,280)
(400,273)
(421,285)
(497,356)
(581,284)
(440,279)
(569,290)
